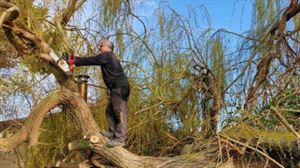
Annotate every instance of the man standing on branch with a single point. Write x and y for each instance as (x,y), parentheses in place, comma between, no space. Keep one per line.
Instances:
(119,89)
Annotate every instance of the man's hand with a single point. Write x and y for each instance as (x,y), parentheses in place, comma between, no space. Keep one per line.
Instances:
(71,61)
(68,58)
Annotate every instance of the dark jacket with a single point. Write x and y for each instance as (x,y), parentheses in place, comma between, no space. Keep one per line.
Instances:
(112,71)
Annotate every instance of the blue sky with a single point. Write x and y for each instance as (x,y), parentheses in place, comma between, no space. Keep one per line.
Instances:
(232,15)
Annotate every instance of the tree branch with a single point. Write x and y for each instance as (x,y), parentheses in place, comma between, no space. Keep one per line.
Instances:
(284,122)
(29,132)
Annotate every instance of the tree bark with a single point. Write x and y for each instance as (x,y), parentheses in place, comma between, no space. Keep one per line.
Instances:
(212,91)
(29,132)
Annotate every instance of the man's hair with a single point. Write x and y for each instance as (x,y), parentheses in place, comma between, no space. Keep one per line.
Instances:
(111,44)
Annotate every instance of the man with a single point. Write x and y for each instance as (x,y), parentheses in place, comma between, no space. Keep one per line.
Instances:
(117,83)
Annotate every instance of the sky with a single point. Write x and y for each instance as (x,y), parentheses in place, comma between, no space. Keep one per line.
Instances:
(232,15)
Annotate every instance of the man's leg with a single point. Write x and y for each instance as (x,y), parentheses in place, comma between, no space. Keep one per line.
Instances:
(110,118)
(119,97)
(119,109)
(121,126)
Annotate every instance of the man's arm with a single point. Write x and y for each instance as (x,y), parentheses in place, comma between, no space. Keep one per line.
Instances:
(100,59)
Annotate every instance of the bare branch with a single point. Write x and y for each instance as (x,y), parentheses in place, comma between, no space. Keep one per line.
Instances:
(289,13)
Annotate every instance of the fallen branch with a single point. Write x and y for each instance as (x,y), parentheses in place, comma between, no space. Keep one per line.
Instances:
(284,122)
(254,149)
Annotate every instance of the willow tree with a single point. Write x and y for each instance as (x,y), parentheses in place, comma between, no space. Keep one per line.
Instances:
(185,91)
(29,41)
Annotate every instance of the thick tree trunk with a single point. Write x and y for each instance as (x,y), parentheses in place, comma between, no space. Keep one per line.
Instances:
(212,91)
(29,132)
(118,155)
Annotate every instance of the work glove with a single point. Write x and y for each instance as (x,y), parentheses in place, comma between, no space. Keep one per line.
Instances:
(71,61)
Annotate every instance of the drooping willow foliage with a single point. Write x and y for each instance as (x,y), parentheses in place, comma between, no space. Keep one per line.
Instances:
(167,60)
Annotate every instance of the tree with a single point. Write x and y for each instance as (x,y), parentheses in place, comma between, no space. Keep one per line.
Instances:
(180,79)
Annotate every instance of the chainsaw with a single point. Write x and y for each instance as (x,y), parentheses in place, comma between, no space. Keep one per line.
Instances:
(63,62)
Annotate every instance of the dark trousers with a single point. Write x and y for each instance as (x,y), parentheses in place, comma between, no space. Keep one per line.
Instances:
(116,112)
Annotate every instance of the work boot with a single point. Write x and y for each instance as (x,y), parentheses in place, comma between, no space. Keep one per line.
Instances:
(114,143)
(107,134)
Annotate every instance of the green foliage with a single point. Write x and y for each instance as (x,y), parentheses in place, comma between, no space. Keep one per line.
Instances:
(245,132)
(264,12)
(218,64)
(7,53)
(120,43)
(260,11)
(111,10)
(57,131)
(161,22)
(286,103)
(32,15)
(164,108)
(271,7)
(35,65)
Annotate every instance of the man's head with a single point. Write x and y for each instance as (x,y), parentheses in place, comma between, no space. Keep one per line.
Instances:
(105,46)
